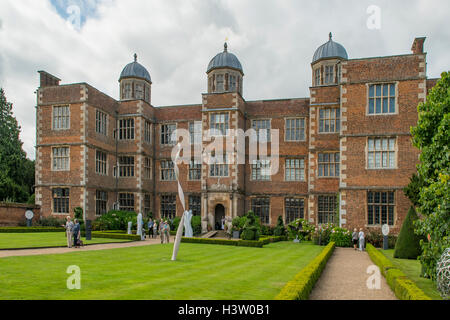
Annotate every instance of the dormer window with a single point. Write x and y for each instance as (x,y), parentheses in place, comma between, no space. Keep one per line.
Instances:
(329,74)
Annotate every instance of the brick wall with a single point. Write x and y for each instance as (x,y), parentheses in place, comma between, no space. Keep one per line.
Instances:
(12,214)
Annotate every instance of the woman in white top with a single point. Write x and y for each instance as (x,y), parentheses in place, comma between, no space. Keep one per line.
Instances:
(361,240)
(69,231)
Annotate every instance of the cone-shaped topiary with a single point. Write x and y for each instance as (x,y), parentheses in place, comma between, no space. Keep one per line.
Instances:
(280,230)
(408,243)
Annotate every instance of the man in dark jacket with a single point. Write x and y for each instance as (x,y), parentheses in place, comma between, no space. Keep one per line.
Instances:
(76,233)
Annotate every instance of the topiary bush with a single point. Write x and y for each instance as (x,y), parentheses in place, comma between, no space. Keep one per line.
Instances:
(279,230)
(408,243)
(196,224)
(302,229)
(251,228)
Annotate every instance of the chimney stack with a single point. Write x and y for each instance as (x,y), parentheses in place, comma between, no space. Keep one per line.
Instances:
(417,47)
(48,80)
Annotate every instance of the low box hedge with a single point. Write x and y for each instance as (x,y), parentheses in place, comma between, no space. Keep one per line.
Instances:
(301,286)
(401,285)
(107,235)
(30,229)
(240,243)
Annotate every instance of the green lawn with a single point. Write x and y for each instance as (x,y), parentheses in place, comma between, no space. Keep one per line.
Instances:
(411,268)
(42,239)
(202,272)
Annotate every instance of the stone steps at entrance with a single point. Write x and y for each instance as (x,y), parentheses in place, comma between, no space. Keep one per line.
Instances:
(221,234)
(209,234)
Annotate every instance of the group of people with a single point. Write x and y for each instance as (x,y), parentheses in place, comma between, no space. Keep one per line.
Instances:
(164,230)
(358,239)
(73,232)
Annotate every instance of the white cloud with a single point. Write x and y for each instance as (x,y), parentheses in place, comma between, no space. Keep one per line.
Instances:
(175,40)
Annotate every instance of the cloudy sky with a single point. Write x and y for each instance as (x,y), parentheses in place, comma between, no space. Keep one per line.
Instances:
(176,39)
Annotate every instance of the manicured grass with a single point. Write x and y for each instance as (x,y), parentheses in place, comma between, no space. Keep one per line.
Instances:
(202,272)
(42,239)
(412,268)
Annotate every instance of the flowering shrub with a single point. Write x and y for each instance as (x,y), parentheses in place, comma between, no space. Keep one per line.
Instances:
(115,220)
(341,236)
(301,228)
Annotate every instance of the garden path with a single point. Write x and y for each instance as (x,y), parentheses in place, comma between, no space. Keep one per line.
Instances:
(345,277)
(93,247)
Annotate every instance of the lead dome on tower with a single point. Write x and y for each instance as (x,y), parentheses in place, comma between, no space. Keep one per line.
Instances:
(225,59)
(330,50)
(135,70)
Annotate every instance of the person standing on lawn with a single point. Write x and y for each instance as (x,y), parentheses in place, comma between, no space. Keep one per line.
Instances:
(162,234)
(76,233)
(155,229)
(361,240)
(355,238)
(69,231)
(150,228)
(167,232)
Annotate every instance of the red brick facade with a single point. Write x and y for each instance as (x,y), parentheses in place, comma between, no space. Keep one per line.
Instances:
(335,123)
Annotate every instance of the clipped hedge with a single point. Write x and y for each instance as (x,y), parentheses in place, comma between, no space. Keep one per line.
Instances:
(272,239)
(401,285)
(30,229)
(239,243)
(109,235)
(301,286)
(379,259)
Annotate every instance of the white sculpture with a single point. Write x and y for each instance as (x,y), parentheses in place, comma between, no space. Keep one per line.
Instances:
(139,224)
(129,227)
(443,274)
(188,232)
(176,245)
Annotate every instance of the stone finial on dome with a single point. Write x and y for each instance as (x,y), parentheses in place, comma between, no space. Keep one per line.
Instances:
(225,47)
(135,57)
(331,36)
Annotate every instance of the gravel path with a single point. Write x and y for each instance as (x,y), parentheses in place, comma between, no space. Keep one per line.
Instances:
(345,277)
(93,247)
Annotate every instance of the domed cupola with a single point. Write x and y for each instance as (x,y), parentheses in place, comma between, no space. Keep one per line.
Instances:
(225,73)
(135,82)
(326,63)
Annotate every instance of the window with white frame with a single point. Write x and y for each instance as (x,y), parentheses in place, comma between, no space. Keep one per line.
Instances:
(101,200)
(126,201)
(126,129)
(195,170)
(148,132)
(294,209)
(317,76)
(101,120)
(329,164)
(195,131)
(166,134)
(295,170)
(167,170)
(262,128)
(61,160)
(100,162)
(261,170)
(61,200)
(329,120)
(329,74)
(126,167)
(382,98)
(219,123)
(61,118)
(219,167)
(139,91)
(380,207)
(220,83)
(147,168)
(126,90)
(295,129)
(381,153)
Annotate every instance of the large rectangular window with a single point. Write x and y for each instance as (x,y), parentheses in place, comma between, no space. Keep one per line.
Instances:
(126,201)
(262,128)
(126,167)
(219,123)
(295,170)
(261,170)
(317,77)
(61,160)
(329,74)
(329,120)
(147,202)
(166,134)
(168,207)
(261,207)
(232,80)
(61,118)
(195,204)
(380,207)
(295,129)
(381,153)
(61,199)
(101,200)
(195,170)
(139,91)
(100,163)
(126,129)
(327,208)
(101,122)
(219,168)
(382,98)
(195,131)
(294,209)
(167,170)
(220,83)
(148,132)
(126,93)
(329,164)
(147,168)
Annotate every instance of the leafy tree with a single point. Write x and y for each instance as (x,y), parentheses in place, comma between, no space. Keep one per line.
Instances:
(16,171)
(432,137)
(408,243)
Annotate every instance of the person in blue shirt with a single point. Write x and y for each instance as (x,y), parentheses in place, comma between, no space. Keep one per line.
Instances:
(150,228)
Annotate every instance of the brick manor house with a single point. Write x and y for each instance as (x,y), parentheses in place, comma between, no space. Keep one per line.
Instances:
(345,152)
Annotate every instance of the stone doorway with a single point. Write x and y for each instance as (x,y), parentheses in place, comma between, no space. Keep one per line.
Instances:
(219,215)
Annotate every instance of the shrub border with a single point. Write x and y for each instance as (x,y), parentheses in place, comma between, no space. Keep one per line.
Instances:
(30,229)
(239,243)
(301,286)
(400,284)
(96,234)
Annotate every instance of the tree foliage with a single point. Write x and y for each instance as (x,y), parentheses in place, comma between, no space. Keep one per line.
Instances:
(16,171)
(432,137)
